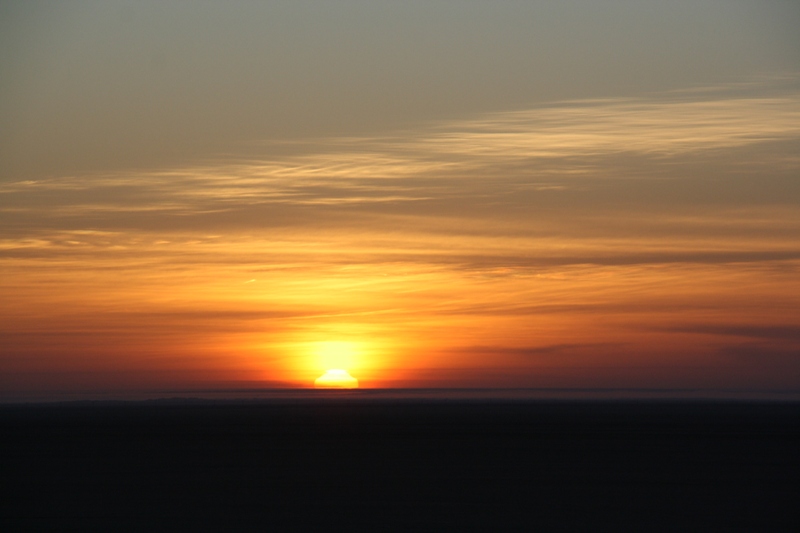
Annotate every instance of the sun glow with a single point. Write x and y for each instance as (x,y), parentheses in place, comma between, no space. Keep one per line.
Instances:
(336,354)
(336,379)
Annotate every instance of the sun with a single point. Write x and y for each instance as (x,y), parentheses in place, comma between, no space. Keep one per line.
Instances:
(336,378)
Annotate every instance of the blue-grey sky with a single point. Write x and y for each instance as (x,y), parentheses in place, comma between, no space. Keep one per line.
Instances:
(90,85)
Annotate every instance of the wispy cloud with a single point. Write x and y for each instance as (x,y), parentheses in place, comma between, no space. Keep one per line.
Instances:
(790,332)
(440,160)
(648,126)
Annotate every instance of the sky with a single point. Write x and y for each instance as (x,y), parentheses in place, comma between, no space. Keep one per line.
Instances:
(203,195)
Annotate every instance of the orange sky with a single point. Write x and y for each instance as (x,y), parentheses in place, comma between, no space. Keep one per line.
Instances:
(647,241)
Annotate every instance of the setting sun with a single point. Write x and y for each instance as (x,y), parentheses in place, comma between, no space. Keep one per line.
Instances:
(336,379)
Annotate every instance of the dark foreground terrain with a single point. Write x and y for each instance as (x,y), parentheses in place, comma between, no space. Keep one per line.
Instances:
(400,465)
